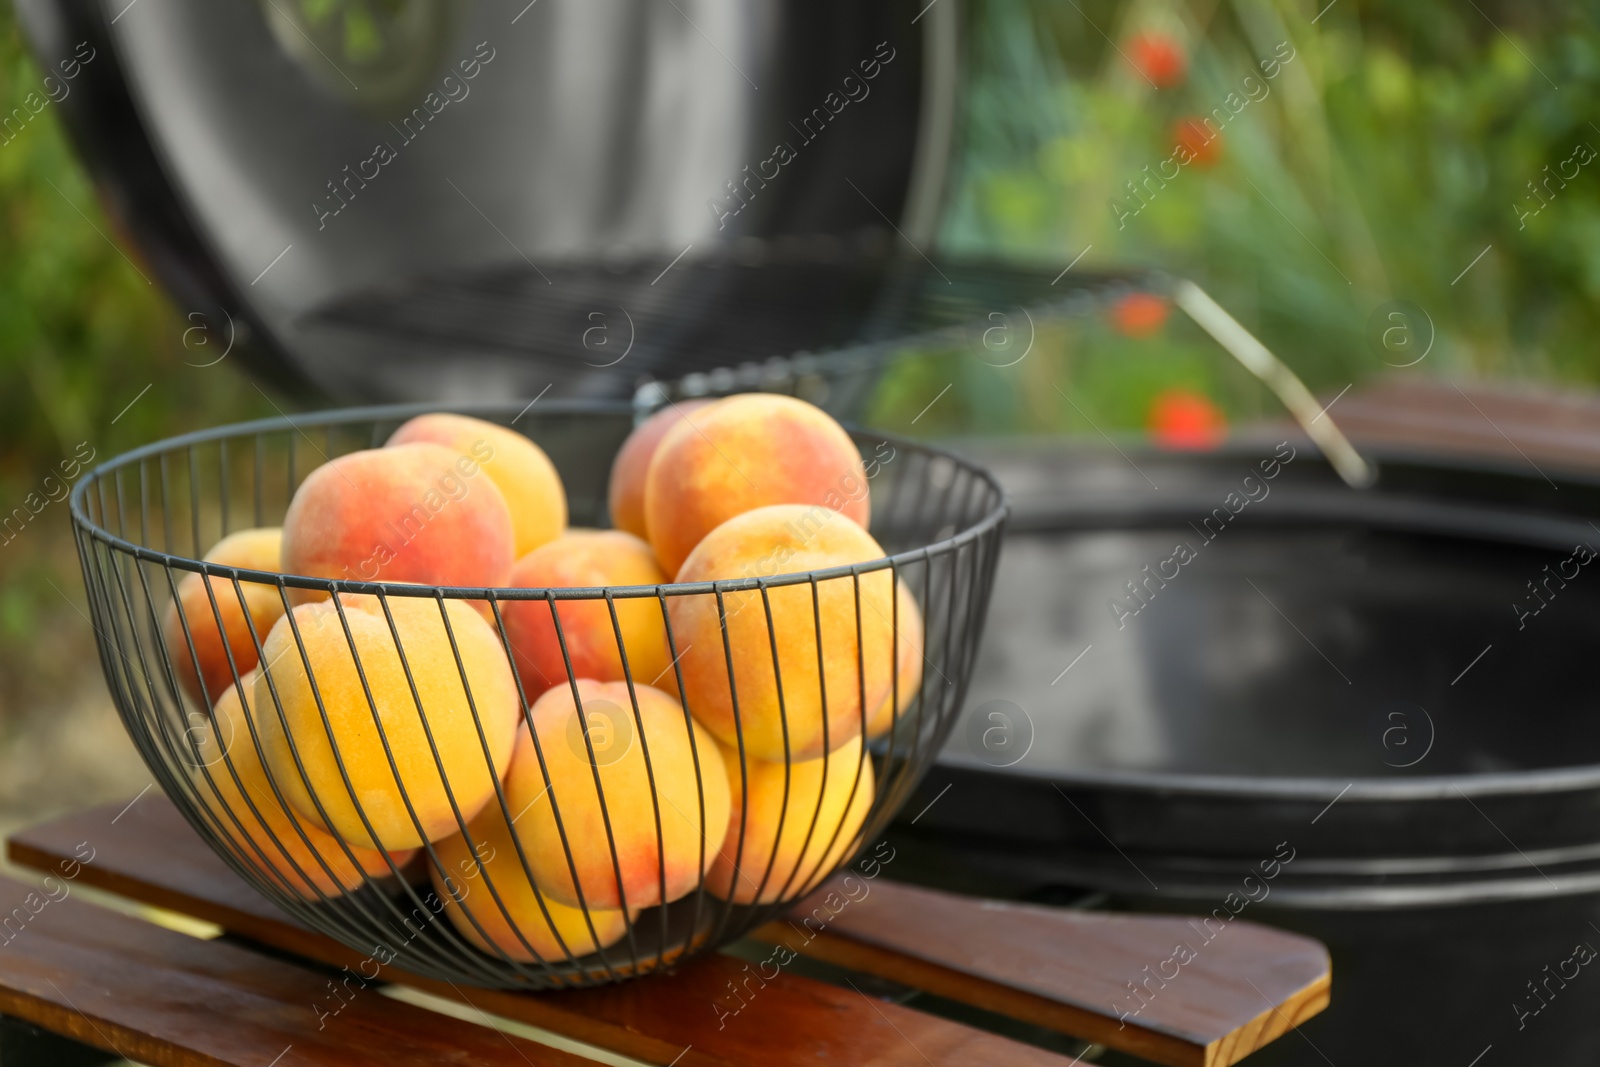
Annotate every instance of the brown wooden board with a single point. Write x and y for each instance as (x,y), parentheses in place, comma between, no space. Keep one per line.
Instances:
(166,999)
(685,1018)
(1234,990)
(1534,428)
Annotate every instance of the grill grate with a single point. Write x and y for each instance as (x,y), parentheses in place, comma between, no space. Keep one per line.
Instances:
(704,315)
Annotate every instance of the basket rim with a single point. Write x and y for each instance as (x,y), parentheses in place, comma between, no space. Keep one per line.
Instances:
(990,521)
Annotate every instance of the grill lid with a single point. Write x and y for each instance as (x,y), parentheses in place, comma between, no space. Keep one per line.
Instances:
(282,162)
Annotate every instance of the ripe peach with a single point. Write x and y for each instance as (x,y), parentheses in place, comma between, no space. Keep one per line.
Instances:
(911,666)
(256,550)
(684,786)
(581,560)
(743,453)
(410,513)
(521,470)
(774,540)
(287,850)
(828,801)
(508,920)
(421,710)
(628,470)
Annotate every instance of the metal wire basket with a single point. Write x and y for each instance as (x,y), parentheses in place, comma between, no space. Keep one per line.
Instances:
(478,904)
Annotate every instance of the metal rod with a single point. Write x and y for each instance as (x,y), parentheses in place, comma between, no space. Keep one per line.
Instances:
(1284,383)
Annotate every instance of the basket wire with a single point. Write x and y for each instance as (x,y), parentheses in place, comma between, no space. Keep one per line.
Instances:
(144,520)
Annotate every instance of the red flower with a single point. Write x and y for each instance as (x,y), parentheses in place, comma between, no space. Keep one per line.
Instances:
(1204,145)
(1159,59)
(1139,315)
(1185,420)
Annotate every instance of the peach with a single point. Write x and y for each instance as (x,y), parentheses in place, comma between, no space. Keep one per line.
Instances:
(911,666)
(288,851)
(207,644)
(788,721)
(684,786)
(420,711)
(491,902)
(585,559)
(521,470)
(628,470)
(743,453)
(410,513)
(801,839)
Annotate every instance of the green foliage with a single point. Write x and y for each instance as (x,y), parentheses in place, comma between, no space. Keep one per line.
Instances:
(1396,145)
(83,329)
(83,332)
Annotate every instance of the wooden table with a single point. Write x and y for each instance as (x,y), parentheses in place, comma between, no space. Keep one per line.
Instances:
(275,993)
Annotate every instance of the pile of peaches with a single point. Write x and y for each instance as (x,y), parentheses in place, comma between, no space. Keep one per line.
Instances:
(588,756)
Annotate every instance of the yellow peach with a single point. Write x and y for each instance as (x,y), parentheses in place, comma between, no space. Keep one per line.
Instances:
(786,848)
(743,453)
(661,820)
(287,850)
(810,713)
(420,716)
(408,513)
(491,902)
(521,470)
(586,559)
(911,666)
(206,644)
(628,470)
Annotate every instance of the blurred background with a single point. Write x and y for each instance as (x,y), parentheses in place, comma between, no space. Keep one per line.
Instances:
(1418,151)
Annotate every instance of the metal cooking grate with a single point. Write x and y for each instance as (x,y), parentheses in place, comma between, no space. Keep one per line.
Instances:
(701,315)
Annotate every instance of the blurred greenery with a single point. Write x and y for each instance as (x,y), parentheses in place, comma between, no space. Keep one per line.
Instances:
(1395,147)
(82,327)
(83,333)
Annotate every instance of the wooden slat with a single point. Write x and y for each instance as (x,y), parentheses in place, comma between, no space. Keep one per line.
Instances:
(152,855)
(145,993)
(1069,970)
(1531,425)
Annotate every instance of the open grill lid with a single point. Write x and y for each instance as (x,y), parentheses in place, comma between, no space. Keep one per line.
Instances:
(284,165)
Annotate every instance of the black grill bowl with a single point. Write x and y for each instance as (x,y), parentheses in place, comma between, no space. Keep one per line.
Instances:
(144,521)
(1356,693)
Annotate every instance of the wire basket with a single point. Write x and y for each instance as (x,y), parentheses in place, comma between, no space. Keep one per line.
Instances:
(289,802)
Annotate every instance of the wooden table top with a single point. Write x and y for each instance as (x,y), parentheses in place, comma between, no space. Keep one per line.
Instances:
(165,998)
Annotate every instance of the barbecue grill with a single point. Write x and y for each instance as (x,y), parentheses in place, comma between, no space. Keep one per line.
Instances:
(232,141)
